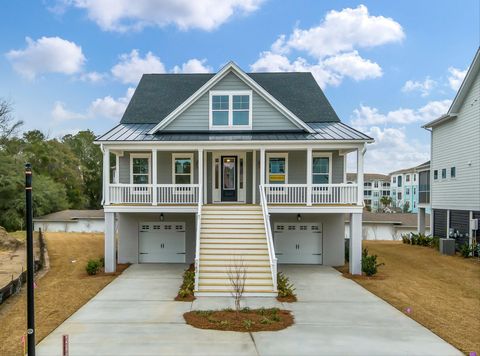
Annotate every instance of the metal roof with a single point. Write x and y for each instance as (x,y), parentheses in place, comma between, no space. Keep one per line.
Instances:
(329,131)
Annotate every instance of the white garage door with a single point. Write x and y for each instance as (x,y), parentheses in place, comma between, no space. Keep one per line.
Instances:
(161,242)
(300,243)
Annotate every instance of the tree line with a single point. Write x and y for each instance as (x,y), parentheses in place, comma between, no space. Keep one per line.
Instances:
(67,171)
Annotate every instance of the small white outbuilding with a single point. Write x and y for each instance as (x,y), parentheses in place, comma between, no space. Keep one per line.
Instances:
(71,221)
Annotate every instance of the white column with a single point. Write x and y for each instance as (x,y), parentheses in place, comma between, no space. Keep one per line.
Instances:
(254,177)
(117,168)
(355,250)
(470,230)
(448,223)
(154,176)
(200,175)
(421,221)
(106,175)
(262,166)
(360,153)
(205,187)
(309,176)
(110,263)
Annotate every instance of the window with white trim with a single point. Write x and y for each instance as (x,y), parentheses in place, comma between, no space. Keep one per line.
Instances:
(140,168)
(321,168)
(230,109)
(277,168)
(182,168)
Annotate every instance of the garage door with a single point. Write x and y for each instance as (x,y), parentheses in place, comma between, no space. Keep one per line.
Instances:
(161,242)
(298,243)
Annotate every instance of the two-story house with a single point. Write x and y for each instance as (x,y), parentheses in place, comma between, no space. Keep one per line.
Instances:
(455,163)
(229,169)
(376,186)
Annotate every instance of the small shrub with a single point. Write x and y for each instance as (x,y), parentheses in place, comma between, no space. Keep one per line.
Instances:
(284,286)
(435,242)
(245,310)
(266,321)
(465,250)
(369,263)
(406,239)
(93,266)
(224,323)
(188,284)
(247,323)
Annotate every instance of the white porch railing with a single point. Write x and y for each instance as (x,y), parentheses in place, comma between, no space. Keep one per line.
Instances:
(268,231)
(153,194)
(314,194)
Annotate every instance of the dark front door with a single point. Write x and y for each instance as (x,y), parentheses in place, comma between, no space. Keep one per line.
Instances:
(229,178)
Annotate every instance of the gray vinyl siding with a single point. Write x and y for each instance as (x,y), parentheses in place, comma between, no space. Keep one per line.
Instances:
(264,115)
(164,167)
(456,143)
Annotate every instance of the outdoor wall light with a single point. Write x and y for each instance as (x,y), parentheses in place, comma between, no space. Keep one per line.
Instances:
(299,217)
(162,217)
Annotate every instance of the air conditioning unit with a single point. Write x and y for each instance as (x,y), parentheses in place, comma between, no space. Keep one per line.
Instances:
(447,247)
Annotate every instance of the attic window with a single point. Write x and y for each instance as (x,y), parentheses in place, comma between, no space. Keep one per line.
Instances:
(230,110)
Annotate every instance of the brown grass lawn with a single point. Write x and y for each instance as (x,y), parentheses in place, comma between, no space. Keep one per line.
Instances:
(63,290)
(443,292)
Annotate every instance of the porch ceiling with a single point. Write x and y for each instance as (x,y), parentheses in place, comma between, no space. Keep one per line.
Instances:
(324,131)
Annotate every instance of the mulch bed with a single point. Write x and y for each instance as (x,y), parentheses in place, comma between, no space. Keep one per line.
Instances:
(289,299)
(119,270)
(188,298)
(363,277)
(246,320)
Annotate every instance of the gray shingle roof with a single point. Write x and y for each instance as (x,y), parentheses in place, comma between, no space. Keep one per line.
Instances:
(69,215)
(157,95)
(335,131)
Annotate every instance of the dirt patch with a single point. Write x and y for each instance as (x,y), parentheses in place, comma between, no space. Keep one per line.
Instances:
(61,292)
(247,320)
(440,292)
(188,298)
(289,299)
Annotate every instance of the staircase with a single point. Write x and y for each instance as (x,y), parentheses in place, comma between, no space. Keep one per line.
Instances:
(231,234)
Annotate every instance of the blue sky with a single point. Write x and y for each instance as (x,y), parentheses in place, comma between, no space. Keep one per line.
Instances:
(386,66)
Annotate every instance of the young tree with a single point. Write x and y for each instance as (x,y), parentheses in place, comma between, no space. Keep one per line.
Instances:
(406,207)
(386,200)
(237,273)
(8,126)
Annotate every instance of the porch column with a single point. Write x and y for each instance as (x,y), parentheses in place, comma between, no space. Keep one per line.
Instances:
(355,249)
(200,176)
(154,177)
(309,176)
(254,177)
(262,166)
(117,168)
(110,263)
(448,224)
(360,153)
(205,185)
(106,175)
(421,221)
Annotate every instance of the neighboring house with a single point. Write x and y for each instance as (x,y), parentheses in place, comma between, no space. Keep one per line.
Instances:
(455,162)
(382,226)
(375,187)
(404,188)
(71,221)
(231,168)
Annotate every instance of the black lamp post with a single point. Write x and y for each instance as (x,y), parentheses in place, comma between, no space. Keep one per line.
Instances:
(30,262)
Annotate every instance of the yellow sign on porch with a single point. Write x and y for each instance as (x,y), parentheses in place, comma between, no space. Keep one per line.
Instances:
(277,178)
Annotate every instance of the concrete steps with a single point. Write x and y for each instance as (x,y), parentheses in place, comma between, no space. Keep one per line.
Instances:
(233,235)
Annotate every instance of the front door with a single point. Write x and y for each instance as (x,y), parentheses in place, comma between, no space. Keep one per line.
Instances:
(229,178)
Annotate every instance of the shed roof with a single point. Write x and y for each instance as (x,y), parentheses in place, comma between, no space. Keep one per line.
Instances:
(71,215)
(402,219)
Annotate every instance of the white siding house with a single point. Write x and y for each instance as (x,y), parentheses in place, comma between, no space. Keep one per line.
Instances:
(455,163)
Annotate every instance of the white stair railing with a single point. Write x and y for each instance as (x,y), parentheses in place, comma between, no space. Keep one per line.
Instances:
(268,231)
(197,239)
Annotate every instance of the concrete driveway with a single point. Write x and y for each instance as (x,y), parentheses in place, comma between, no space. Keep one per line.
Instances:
(136,315)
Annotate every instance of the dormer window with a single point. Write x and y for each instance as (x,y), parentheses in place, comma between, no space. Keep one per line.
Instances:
(230,110)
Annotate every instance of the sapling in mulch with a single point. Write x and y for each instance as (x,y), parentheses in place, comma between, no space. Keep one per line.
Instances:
(237,274)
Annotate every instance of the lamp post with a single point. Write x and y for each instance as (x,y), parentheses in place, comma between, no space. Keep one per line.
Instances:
(30,262)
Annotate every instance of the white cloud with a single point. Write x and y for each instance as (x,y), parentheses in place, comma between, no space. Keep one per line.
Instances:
(125,15)
(60,113)
(367,116)
(109,107)
(393,149)
(455,78)
(106,107)
(47,55)
(332,47)
(424,87)
(193,66)
(92,77)
(132,66)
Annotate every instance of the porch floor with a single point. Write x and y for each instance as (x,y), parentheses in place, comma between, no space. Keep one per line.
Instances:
(136,314)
